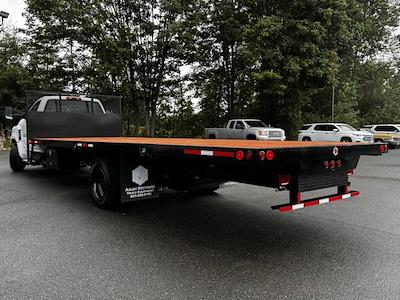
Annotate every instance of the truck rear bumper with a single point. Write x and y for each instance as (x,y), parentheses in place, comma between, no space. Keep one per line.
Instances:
(315,201)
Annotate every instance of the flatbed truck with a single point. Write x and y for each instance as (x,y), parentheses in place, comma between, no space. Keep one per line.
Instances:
(126,169)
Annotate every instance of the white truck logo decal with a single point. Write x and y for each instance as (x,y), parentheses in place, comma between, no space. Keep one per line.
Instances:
(140,175)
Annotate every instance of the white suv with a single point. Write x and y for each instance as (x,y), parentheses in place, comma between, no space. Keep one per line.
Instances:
(333,132)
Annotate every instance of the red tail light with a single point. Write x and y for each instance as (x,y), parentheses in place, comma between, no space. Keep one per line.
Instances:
(383,148)
(73,98)
(326,164)
(339,163)
(239,155)
(333,164)
(270,155)
(284,180)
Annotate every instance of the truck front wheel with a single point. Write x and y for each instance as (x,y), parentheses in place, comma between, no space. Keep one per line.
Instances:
(104,183)
(16,163)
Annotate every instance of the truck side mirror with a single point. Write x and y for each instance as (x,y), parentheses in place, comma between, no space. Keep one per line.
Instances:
(8,113)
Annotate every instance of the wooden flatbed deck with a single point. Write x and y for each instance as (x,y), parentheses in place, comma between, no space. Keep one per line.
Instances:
(209,143)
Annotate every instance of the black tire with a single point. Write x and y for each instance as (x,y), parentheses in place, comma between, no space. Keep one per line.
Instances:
(251,137)
(306,139)
(104,183)
(346,139)
(16,163)
(212,136)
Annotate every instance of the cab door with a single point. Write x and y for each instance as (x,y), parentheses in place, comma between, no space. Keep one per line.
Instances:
(320,133)
(239,131)
(332,133)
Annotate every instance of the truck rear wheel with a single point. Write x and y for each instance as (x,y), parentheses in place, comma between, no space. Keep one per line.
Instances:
(251,137)
(16,163)
(104,183)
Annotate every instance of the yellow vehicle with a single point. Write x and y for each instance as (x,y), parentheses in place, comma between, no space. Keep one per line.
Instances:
(386,133)
(393,140)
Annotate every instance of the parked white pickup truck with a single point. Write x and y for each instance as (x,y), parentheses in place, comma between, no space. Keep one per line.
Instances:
(48,104)
(249,129)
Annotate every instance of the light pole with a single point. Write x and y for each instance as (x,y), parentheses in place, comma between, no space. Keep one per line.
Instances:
(3,15)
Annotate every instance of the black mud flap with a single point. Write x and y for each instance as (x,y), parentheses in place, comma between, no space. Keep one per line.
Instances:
(137,179)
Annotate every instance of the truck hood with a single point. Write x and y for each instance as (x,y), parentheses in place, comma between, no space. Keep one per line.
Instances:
(359,132)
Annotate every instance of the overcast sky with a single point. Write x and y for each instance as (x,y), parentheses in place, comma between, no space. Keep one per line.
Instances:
(15,8)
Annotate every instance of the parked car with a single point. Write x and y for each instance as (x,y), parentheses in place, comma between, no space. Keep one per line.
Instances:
(334,132)
(250,129)
(387,133)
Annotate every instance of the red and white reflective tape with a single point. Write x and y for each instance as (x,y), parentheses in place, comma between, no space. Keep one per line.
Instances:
(209,153)
(308,203)
(84,145)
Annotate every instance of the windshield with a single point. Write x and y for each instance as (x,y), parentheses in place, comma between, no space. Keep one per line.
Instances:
(255,123)
(345,127)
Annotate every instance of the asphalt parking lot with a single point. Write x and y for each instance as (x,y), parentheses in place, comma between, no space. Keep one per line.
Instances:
(55,244)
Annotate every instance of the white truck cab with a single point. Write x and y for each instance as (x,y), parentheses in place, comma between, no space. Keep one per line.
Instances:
(52,104)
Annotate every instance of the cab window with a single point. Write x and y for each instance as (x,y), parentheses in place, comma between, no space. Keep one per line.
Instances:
(51,106)
(231,124)
(331,127)
(305,127)
(386,128)
(35,106)
(239,125)
(97,108)
(74,106)
(321,127)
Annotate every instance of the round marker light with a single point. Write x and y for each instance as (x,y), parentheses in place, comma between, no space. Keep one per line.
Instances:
(382,148)
(339,163)
(326,164)
(239,155)
(270,155)
(249,155)
(261,154)
(332,164)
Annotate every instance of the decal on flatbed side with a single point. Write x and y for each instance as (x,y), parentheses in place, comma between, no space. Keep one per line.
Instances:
(140,175)
(136,179)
